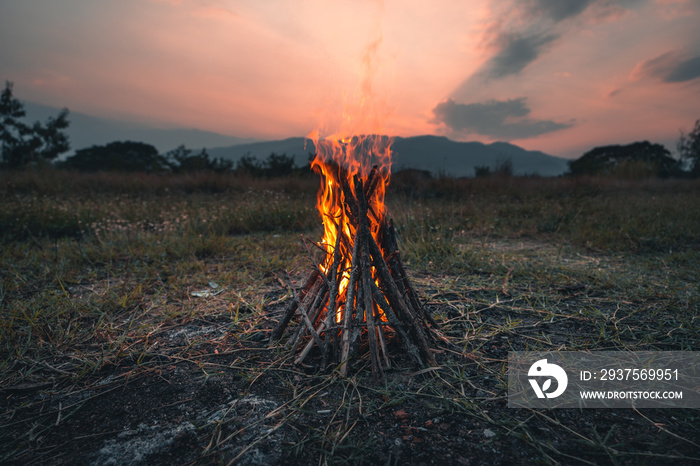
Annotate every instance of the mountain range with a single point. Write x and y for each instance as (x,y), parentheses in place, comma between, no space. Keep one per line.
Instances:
(436,154)
(86,130)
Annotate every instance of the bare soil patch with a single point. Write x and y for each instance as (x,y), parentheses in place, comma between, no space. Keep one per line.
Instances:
(202,394)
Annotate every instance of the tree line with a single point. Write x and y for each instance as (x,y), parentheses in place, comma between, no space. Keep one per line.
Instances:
(25,145)
(130,156)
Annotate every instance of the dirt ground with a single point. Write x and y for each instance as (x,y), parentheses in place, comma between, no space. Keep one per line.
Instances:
(238,401)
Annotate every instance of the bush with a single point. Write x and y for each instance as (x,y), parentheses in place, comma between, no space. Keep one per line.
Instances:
(643,159)
(127,156)
(482,170)
(504,167)
(274,166)
(181,160)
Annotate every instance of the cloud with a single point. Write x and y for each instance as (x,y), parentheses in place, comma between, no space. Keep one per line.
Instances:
(558,10)
(516,52)
(561,10)
(670,67)
(504,119)
(684,71)
(525,29)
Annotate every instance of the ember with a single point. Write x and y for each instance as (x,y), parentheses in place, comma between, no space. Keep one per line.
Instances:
(359,292)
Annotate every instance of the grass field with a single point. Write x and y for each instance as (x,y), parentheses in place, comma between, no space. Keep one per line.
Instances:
(135,309)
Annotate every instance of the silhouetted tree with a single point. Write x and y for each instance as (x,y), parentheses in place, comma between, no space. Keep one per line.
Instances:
(249,165)
(274,166)
(689,148)
(127,156)
(182,160)
(481,171)
(22,144)
(643,157)
(504,166)
(279,165)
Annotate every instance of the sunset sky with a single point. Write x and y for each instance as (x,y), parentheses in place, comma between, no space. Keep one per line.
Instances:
(561,76)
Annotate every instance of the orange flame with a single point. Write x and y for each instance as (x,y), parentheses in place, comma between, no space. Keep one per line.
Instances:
(338,159)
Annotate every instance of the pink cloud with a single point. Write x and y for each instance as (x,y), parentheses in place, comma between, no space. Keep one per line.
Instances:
(654,67)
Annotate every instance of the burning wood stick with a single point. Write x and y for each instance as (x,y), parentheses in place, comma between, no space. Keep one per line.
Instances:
(349,306)
(313,315)
(316,264)
(367,280)
(359,293)
(308,323)
(382,341)
(399,272)
(309,346)
(398,327)
(292,306)
(372,182)
(331,314)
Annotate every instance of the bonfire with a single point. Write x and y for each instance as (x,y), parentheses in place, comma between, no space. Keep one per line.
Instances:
(358,297)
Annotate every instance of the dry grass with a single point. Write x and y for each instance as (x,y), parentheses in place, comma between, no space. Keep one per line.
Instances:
(97,274)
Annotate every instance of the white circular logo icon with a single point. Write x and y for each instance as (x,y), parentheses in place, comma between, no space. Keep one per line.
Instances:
(542,369)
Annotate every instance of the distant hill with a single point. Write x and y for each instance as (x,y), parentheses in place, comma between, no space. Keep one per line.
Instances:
(435,154)
(85,131)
